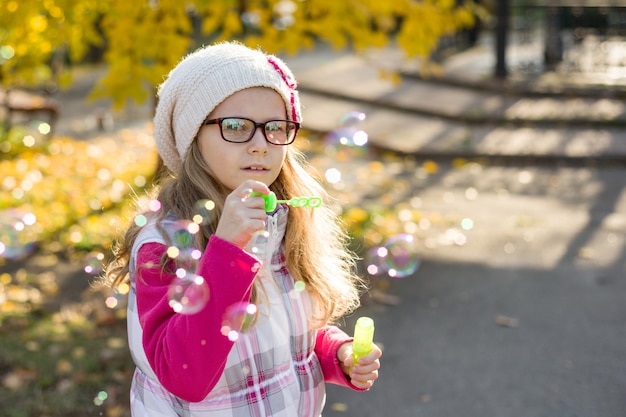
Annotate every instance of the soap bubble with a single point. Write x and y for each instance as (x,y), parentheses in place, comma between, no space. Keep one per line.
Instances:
(17,239)
(299,288)
(204,212)
(141,220)
(258,243)
(349,132)
(401,258)
(100,398)
(182,246)
(333,175)
(238,318)
(397,257)
(183,234)
(94,263)
(375,262)
(188,293)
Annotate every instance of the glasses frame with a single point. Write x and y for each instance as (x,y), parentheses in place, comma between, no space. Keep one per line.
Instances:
(219,121)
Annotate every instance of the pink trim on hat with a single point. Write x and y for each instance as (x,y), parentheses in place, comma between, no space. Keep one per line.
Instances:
(291,84)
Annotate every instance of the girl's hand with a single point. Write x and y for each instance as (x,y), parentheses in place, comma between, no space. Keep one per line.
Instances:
(363,374)
(243,216)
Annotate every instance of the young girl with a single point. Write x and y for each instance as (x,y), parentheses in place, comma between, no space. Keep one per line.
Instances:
(225,121)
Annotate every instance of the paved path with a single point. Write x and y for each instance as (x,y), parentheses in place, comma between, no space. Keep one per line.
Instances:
(524,317)
(442,118)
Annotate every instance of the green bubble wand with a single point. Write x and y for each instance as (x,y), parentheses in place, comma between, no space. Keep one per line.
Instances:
(271,201)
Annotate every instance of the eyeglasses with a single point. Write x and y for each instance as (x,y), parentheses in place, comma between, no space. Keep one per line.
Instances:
(240,130)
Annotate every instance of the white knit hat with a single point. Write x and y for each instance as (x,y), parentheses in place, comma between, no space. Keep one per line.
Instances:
(205,78)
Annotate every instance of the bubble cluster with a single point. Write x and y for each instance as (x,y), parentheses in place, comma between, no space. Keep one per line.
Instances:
(238,318)
(188,293)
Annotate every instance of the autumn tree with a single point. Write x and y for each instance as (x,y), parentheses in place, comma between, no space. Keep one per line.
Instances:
(143,39)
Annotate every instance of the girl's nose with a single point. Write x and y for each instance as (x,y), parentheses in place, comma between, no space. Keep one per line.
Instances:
(258,142)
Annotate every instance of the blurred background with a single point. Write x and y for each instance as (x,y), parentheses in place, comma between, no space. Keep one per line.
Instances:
(477,151)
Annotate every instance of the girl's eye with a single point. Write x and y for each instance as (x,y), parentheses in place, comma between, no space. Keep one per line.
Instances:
(273,126)
(233,125)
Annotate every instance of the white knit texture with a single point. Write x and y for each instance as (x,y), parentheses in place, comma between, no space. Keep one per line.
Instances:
(205,78)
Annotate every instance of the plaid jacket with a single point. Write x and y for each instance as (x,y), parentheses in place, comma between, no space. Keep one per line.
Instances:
(186,367)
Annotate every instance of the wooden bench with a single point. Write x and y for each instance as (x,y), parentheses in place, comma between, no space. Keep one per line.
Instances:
(21,106)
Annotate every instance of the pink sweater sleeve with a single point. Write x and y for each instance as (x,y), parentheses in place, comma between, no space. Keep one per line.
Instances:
(187,352)
(327,343)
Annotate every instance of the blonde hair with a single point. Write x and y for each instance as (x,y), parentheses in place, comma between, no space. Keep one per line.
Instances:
(316,243)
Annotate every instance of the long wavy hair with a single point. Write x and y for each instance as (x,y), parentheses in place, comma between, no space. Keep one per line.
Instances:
(316,243)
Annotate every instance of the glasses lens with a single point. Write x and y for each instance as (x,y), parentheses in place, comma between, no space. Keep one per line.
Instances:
(237,130)
(280,132)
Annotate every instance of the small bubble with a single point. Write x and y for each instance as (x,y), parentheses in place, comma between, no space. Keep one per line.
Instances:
(375,260)
(140,181)
(17,239)
(29,141)
(154,205)
(333,175)
(467,224)
(44,128)
(258,243)
(238,318)
(188,294)
(173,252)
(401,260)
(100,398)
(94,263)
(111,302)
(123,288)
(141,220)
(525,177)
(471,193)
(509,248)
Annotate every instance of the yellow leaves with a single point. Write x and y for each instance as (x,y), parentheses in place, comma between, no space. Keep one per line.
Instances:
(145,41)
(232,24)
(93,176)
(426,22)
(213,17)
(12,6)
(146,38)
(38,23)
(392,76)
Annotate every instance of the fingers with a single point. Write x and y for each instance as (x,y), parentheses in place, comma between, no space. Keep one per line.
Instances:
(364,373)
(364,376)
(243,216)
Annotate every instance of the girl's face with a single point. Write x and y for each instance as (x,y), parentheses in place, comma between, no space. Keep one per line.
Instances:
(257,159)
